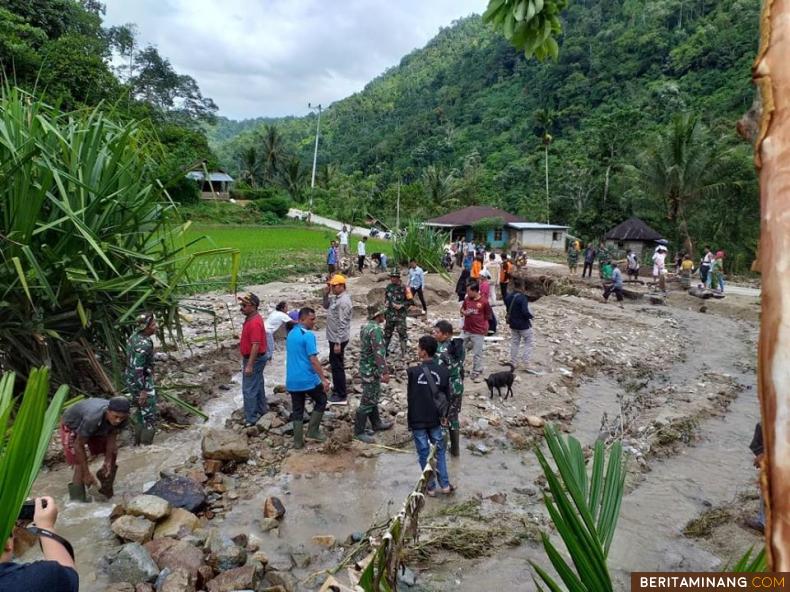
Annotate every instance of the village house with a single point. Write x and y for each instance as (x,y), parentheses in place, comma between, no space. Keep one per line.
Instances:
(217,186)
(499,229)
(632,234)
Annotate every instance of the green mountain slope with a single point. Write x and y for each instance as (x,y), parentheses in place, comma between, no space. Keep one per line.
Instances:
(470,105)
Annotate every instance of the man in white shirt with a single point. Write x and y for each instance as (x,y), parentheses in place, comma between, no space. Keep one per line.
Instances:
(273,322)
(343,238)
(361,253)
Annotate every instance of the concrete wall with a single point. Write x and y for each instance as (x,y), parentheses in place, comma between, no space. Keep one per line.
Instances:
(542,238)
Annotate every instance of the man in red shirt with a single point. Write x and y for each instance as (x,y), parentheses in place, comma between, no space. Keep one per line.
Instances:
(476,312)
(252,347)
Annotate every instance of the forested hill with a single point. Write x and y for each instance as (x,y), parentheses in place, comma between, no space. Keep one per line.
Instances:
(464,119)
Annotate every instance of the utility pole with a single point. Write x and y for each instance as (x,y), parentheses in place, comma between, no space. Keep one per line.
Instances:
(315,157)
(397,210)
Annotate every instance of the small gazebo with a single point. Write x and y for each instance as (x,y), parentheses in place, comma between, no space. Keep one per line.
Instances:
(216,186)
(632,234)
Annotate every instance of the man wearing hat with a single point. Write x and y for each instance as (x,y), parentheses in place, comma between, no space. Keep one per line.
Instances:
(94,422)
(339,309)
(373,371)
(395,317)
(252,347)
(139,379)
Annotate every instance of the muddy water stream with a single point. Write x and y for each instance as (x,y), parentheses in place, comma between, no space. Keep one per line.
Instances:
(345,493)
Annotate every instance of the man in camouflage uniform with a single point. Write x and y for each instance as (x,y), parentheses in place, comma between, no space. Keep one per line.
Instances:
(395,317)
(139,379)
(604,256)
(451,355)
(373,371)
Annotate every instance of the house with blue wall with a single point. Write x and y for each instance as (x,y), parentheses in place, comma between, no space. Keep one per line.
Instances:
(499,229)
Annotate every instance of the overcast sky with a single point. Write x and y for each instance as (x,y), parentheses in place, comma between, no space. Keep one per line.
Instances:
(272,57)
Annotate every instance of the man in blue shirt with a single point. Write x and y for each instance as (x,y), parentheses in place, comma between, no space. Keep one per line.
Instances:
(616,286)
(331,258)
(304,377)
(417,283)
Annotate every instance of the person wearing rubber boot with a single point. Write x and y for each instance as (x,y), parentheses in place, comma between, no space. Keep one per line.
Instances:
(139,379)
(397,305)
(94,423)
(373,371)
(450,353)
(339,310)
(253,347)
(304,377)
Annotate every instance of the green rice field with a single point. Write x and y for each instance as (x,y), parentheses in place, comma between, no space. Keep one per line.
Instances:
(268,253)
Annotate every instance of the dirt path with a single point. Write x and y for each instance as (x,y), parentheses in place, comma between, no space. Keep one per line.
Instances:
(681,380)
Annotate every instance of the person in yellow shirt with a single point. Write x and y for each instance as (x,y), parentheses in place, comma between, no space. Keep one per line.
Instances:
(686,269)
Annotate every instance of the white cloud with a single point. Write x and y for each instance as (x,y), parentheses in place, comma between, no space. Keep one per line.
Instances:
(272,57)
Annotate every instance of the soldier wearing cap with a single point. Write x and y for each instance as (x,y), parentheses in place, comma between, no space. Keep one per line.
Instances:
(139,379)
(252,347)
(94,423)
(395,316)
(339,310)
(373,371)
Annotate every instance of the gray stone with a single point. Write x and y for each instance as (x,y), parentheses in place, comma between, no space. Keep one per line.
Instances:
(133,528)
(225,445)
(268,524)
(181,492)
(282,578)
(132,564)
(407,577)
(225,554)
(152,507)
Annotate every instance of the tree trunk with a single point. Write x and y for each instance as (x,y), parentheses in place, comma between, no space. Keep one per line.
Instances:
(771,72)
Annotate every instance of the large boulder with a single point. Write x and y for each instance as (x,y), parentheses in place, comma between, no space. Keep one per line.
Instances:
(179,523)
(225,445)
(176,556)
(133,528)
(132,564)
(181,492)
(152,507)
(241,578)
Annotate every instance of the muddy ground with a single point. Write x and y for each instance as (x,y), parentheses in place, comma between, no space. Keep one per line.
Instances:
(675,384)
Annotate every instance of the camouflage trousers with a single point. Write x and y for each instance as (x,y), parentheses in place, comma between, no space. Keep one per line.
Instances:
(145,415)
(454,411)
(371,391)
(399,325)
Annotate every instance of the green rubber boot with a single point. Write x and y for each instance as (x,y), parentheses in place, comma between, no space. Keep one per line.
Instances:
(455,442)
(298,434)
(77,493)
(313,431)
(379,425)
(360,421)
(137,432)
(147,436)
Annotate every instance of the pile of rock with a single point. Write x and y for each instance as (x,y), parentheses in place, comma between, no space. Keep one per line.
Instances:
(170,549)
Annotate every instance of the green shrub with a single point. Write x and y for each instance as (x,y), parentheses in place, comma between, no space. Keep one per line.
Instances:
(183,190)
(277,205)
(254,194)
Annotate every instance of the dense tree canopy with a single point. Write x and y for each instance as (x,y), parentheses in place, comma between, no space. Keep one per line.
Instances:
(471,110)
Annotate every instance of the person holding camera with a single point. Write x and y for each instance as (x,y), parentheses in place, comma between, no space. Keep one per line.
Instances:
(56,573)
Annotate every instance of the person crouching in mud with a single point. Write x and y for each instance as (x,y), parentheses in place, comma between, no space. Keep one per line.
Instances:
(94,422)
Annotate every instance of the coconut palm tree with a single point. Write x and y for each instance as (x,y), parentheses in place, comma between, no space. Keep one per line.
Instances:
(273,151)
(441,189)
(544,122)
(293,178)
(250,164)
(682,165)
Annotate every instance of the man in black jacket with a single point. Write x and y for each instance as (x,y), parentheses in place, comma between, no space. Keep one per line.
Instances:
(520,321)
(428,384)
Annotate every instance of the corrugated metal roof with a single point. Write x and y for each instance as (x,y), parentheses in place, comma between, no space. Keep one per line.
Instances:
(536,226)
(212,176)
(468,216)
